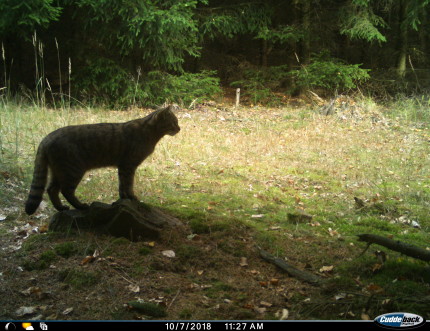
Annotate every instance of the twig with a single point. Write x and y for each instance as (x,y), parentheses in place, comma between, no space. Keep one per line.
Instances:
(365,249)
(192,104)
(173,300)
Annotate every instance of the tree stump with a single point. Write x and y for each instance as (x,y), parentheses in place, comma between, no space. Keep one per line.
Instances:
(130,219)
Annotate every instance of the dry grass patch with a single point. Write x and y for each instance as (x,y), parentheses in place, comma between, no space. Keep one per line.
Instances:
(232,176)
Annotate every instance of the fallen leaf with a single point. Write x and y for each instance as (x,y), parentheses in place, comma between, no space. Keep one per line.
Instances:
(365,317)
(260,310)
(274,281)
(243,262)
(34,291)
(200,272)
(257,216)
(340,296)
(282,314)
(265,304)
(376,267)
(203,287)
(67,311)
(357,280)
(133,288)
(31,290)
(374,288)
(263,284)
(416,225)
(44,228)
(169,253)
(326,268)
(87,260)
(22,311)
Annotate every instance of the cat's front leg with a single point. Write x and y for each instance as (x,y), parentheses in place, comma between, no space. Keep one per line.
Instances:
(126,180)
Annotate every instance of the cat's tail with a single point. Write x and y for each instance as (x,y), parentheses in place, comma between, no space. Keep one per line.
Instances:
(38,184)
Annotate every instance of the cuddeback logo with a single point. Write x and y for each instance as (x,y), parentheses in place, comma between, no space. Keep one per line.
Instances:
(400,320)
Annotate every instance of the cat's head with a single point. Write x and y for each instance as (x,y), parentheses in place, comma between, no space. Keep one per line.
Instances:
(165,120)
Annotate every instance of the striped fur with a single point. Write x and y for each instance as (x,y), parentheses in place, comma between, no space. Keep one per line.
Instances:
(71,151)
(37,188)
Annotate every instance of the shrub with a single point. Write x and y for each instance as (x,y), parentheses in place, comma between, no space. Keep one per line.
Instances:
(259,85)
(330,74)
(183,89)
(105,82)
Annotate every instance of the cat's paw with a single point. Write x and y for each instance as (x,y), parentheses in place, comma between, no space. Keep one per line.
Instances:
(83,206)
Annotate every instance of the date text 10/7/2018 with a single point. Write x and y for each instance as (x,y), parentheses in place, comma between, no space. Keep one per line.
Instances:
(209,326)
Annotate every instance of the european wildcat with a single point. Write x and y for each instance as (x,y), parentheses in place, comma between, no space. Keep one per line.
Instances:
(70,151)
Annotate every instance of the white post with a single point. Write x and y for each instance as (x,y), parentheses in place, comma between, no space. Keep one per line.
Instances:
(237,97)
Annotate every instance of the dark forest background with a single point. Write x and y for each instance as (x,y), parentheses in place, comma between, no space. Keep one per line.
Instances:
(144,52)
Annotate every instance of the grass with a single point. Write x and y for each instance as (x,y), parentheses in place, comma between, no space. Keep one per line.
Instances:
(230,173)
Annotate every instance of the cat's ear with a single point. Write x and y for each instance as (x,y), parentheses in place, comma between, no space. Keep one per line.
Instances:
(174,107)
(158,115)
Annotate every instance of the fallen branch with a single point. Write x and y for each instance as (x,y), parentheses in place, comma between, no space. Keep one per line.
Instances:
(292,271)
(395,245)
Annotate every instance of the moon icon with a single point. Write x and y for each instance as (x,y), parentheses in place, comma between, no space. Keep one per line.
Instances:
(10,327)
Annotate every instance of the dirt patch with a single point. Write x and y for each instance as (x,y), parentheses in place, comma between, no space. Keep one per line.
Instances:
(211,276)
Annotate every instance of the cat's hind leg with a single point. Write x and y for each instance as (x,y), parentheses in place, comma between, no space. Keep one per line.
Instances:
(53,192)
(68,188)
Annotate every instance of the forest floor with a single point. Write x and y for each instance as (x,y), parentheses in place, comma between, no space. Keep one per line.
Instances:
(236,179)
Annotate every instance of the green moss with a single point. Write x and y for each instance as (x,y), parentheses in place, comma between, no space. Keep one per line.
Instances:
(37,241)
(79,278)
(199,226)
(186,314)
(66,249)
(144,250)
(43,261)
(148,308)
(219,289)
(120,241)
(188,252)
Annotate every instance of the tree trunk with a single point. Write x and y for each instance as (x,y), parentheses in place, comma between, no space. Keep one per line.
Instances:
(264,52)
(306,46)
(423,34)
(403,38)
